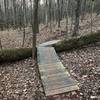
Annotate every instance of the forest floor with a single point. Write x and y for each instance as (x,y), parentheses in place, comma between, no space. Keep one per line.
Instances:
(18,80)
(84,66)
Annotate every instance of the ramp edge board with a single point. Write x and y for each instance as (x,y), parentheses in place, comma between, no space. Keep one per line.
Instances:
(61,90)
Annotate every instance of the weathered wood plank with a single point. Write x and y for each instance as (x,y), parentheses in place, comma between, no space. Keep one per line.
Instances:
(55,78)
(55,75)
(61,90)
(60,83)
(47,55)
(50,72)
(50,43)
(51,66)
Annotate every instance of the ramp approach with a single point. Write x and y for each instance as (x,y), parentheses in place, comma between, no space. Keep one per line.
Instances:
(55,78)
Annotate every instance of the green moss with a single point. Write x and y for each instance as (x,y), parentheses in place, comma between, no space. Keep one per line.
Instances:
(9,55)
(77,42)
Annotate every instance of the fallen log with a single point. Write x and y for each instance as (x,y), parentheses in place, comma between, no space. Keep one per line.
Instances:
(10,55)
(77,42)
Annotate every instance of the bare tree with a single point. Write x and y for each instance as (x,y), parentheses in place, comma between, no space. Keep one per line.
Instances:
(50,14)
(46,8)
(14,13)
(0,44)
(77,17)
(6,12)
(67,6)
(35,26)
(83,10)
(24,21)
(58,4)
(92,6)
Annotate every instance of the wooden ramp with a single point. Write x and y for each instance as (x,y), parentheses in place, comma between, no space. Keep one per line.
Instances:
(55,78)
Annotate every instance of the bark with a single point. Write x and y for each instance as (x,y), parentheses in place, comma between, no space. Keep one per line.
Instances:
(24,21)
(83,11)
(6,9)
(62,6)
(72,16)
(35,27)
(50,15)
(46,17)
(0,45)
(77,17)
(14,13)
(92,6)
(67,3)
(58,4)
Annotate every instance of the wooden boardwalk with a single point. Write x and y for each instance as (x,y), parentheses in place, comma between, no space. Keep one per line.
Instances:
(55,78)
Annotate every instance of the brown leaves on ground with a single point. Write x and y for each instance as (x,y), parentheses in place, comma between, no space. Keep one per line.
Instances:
(18,81)
(84,65)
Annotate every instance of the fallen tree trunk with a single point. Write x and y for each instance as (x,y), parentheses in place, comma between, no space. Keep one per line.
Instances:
(78,42)
(10,55)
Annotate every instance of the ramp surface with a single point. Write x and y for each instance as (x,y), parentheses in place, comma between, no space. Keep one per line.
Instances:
(55,78)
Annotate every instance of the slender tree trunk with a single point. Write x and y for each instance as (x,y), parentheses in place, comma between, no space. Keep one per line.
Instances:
(35,27)
(5,7)
(20,16)
(31,17)
(92,6)
(58,4)
(71,27)
(24,21)
(67,3)
(77,17)
(62,5)
(50,16)
(83,10)
(0,44)
(14,13)
(72,16)
(46,8)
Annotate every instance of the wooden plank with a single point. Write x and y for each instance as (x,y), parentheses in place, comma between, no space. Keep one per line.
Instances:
(61,90)
(50,72)
(49,43)
(50,66)
(55,75)
(47,55)
(55,78)
(60,83)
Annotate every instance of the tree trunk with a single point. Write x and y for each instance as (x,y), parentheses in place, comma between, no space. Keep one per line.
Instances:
(92,6)
(77,17)
(50,15)
(46,8)
(35,27)
(83,10)
(58,4)
(6,8)
(62,5)
(67,3)
(14,13)
(0,45)
(24,21)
